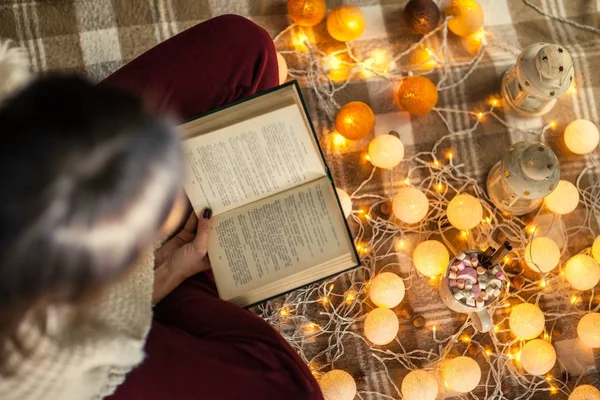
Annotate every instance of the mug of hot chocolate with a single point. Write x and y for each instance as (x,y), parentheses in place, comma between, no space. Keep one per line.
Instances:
(472,282)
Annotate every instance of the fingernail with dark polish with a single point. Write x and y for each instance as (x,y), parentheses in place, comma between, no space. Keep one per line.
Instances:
(207,213)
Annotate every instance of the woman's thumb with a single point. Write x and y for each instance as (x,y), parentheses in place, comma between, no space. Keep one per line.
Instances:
(200,242)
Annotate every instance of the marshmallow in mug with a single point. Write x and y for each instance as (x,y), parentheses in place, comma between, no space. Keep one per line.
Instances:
(472,284)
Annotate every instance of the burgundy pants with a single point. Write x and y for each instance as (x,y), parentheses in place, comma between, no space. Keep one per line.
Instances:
(199,346)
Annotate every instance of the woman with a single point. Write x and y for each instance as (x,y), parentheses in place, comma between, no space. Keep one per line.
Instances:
(89,177)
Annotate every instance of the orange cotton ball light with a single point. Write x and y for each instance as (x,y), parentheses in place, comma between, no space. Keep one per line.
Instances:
(355,120)
(307,12)
(346,23)
(417,95)
(467,17)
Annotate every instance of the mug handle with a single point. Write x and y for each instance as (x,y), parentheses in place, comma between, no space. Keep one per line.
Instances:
(482,321)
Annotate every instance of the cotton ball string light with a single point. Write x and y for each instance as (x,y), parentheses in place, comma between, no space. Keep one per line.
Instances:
(386,290)
(526,321)
(431,258)
(564,199)
(417,95)
(588,329)
(581,136)
(345,202)
(386,151)
(585,392)
(467,17)
(422,59)
(338,385)
(461,374)
(464,212)
(283,68)
(596,249)
(582,272)
(419,385)
(538,357)
(346,23)
(542,254)
(421,16)
(307,12)
(410,205)
(381,326)
(355,120)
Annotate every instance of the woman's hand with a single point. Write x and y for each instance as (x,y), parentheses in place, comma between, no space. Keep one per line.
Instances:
(182,256)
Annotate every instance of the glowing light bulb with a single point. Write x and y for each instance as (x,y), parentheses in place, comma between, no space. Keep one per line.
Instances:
(407,181)
(338,385)
(552,124)
(464,212)
(381,326)
(333,63)
(538,357)
(479,35)
(461,374)
(542,254)
(588,329)
(431,258)
(299,41)
(436,163)
(449,155)
(386,151)
(480,116)
(339,141)
(387,290)
(410,205)
(419,385)
(284,312)
(526,321)
(582,272)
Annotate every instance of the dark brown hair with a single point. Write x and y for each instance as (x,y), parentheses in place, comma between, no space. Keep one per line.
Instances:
(87,176)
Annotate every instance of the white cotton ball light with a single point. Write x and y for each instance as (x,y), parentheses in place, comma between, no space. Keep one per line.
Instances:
(461,374)
(386,151)
(431,258)
(527,321)
(14,68)
(585,392)
(596,249)
(582,136)
(464,212)
(283,69)
(410,205)
(582,272)
(538,357)
(338,385)
(345,201)
(588,329)
(542,254)
(381,326)
(564,199)
(419,385)
(386,290)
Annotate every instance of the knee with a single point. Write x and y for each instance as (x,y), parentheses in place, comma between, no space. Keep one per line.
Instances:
(246,31)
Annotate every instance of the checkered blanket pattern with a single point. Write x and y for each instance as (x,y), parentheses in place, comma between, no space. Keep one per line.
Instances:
(95,37)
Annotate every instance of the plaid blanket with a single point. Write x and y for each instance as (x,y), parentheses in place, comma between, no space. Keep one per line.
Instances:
(95,37)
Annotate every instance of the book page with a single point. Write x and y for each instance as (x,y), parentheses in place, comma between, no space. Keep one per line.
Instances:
(250,160)
(270,239)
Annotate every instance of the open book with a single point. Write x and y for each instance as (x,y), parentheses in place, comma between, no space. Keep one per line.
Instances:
(277,223)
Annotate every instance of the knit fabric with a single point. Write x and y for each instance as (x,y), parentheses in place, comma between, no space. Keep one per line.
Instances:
(85,353)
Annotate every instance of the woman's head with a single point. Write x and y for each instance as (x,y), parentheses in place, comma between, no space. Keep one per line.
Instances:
(87,177)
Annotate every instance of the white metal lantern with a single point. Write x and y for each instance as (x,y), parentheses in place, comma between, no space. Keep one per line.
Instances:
(543,73)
